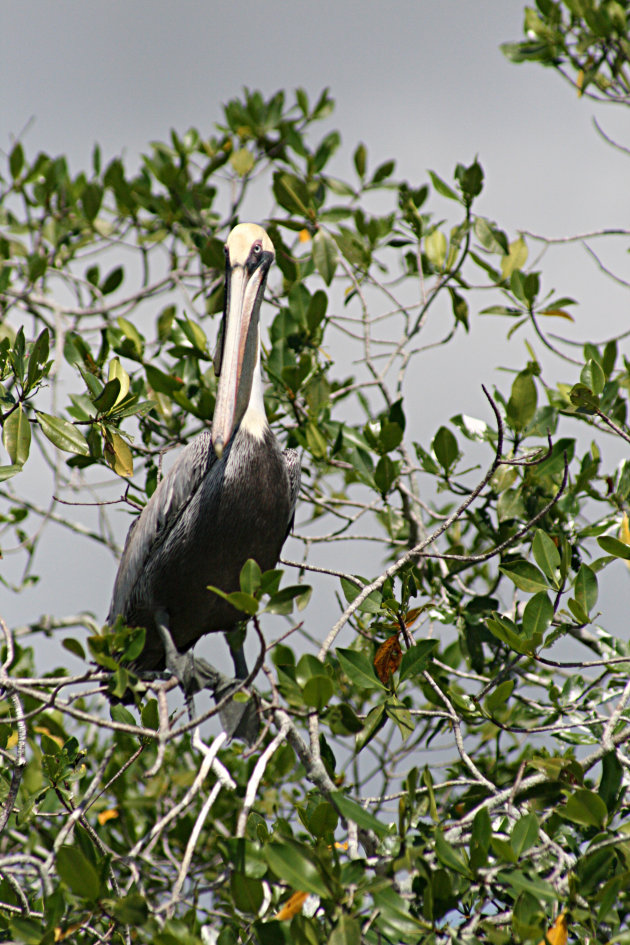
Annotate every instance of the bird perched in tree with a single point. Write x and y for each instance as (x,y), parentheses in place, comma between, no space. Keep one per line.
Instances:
(230,496)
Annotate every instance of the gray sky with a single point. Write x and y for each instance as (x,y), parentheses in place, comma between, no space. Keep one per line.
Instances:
(423,82)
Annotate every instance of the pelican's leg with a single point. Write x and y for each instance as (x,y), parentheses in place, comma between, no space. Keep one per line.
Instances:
(235,640)
(239,719)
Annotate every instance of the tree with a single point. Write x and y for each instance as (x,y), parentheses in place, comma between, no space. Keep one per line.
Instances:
(448,760)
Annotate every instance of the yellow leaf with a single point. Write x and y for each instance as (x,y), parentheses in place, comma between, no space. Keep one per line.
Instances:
(557,313)
(61,934)
(118,454)
(42,730)
(558,933)
(106,815)
(12,740)
(242,161)
(435,248)
(304,236)
(580,82)
(292,906)
(624,533)
(515,259)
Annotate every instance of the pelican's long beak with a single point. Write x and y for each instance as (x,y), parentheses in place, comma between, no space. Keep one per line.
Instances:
(248,262)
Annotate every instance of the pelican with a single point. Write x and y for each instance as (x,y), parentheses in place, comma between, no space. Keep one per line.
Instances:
(230,496)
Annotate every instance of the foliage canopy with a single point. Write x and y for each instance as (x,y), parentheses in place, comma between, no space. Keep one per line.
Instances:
(448,760)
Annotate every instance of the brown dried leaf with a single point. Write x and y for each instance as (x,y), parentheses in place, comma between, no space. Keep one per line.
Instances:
(388,658)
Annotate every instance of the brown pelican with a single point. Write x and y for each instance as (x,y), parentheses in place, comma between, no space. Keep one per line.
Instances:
(230,496)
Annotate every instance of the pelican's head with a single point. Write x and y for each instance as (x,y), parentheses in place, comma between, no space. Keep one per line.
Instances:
(249,254)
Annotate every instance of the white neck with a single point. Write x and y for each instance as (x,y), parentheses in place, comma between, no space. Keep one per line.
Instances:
(255,419)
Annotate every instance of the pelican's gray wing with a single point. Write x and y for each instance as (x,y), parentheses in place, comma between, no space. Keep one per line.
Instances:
(160,515)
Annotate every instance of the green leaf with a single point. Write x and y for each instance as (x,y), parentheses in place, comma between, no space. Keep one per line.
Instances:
(374,722)
(62,434)
(537,615)
(498,697)
(78,873)
(247,892)
(525,575)
(323,820)
(324,256)
(290,862)
(347,931)
(291,193)
(592,376)
(112,280)
(386,474)
(584,399)
(130,910)
(416,658)
(91,199)
(442,188)
(16,160)
(7,472)
(585,588)
(360,159)
(16,436)
(521,406)
(73,646)
(160,382)
(547,555)
(350,810)
(241,601)
(250,577)
(445,448)
(132,334)
(611,781)
(358,669)
(506,630)
(401,717)
(613,546)
(318,691)
(450,857)
(108,396)
(586,808)
(524,834)
(371,604)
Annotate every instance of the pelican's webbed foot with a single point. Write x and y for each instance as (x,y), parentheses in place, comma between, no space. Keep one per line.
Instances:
(239,719)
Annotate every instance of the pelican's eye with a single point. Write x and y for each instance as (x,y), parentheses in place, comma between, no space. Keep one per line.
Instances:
(257,248)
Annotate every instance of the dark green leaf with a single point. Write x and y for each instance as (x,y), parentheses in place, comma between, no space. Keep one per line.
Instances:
(358,669)
(415,659)
(290,862)
(525,575)
(586,808)
(78,873)
(524,833)
(445,448)
(538,614)
(546,554)
(350,810)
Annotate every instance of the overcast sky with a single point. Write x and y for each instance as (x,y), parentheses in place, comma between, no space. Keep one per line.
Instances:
(423,82)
